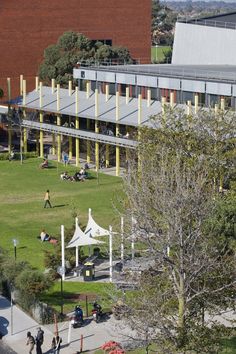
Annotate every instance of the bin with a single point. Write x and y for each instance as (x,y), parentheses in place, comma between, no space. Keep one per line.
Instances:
(89,271)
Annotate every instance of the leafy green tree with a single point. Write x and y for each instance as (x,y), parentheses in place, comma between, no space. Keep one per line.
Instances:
(173,186)
(71,47)
(32,282)
(163,22)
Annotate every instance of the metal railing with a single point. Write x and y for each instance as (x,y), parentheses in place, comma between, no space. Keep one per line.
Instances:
(173,71)
(207,22)
(82,134)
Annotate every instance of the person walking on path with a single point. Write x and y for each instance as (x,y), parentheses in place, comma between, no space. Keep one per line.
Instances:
(56,344)
(47,199)
(30,342)
(39,340)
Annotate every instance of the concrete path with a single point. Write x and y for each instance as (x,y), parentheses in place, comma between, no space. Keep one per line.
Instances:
(94,334)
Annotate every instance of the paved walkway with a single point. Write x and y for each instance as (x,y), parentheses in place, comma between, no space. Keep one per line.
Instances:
(94,334)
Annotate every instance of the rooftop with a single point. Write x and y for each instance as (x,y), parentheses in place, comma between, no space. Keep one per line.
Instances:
(225,73)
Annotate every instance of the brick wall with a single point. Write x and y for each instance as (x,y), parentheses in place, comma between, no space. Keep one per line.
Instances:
(27,27)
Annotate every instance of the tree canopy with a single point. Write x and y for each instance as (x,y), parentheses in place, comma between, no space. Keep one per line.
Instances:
(179,180)
(71,48)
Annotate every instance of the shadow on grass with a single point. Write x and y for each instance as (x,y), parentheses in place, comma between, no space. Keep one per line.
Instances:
(48,168)
(60,205)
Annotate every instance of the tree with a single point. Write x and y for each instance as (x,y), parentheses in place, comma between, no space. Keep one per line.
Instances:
(173,189)
(32,282)
(163,21)
(71,47)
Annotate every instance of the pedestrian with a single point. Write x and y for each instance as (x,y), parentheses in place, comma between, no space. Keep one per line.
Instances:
(39,340)
(31,342)
(65,159)
(47,199)
(56,344)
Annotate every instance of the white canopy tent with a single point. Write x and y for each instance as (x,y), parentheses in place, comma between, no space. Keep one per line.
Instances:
(81,239)
(93,229)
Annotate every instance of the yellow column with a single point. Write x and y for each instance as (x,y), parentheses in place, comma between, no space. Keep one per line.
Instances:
(70,88)
(88,88)
(222,104)
(9,89)
(107,92)
(53,85)
(9,125)
(127,94)
(148,98)
(96,130)
(196,103)
(76,125)
(53,144)
(189,108)
(58,123)
(70,147)
(24,115)
(163,104)
(40,120)
(36,83)
(172,99)
(139,123)
(139,109)
(107,155)
(21,85)
(88,143)
(117,134)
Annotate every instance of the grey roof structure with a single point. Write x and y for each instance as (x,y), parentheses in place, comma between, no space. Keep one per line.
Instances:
(128,113)
(223,73)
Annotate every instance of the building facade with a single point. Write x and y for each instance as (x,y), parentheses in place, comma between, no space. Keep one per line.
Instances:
(205,41)
(28,26)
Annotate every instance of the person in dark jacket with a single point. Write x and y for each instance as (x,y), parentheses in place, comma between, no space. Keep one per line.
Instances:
(39,340)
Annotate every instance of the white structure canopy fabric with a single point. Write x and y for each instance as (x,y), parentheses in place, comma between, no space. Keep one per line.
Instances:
(93,229)
(81,239)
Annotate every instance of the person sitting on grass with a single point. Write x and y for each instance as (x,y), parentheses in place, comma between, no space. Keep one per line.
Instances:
(44,164)
(44,236)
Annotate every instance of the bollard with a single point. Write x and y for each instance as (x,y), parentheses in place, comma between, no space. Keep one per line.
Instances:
(81,343)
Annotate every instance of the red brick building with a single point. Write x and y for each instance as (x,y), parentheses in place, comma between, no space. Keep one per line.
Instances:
(27,27)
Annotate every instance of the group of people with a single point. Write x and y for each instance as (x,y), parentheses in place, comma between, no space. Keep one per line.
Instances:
(77,177)
(38,342)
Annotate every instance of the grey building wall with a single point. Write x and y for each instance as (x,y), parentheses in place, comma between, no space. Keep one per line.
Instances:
(203,45)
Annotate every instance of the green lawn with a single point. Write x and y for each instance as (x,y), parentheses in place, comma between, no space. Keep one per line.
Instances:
(22,189)
(94,291)
(157,54)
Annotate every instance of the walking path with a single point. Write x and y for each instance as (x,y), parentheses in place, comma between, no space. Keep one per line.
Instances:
(94,334)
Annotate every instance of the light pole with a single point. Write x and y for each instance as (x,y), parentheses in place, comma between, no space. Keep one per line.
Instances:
(15,243)
(11,309)
(61,271)
(156,52)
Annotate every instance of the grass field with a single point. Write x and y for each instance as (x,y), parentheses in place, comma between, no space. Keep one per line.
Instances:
(157,53)
(22,189)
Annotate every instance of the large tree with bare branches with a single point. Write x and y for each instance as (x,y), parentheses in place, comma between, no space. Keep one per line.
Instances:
(180,174)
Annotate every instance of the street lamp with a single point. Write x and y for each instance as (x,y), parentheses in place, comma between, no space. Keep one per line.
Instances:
(61,271)
(15,243)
